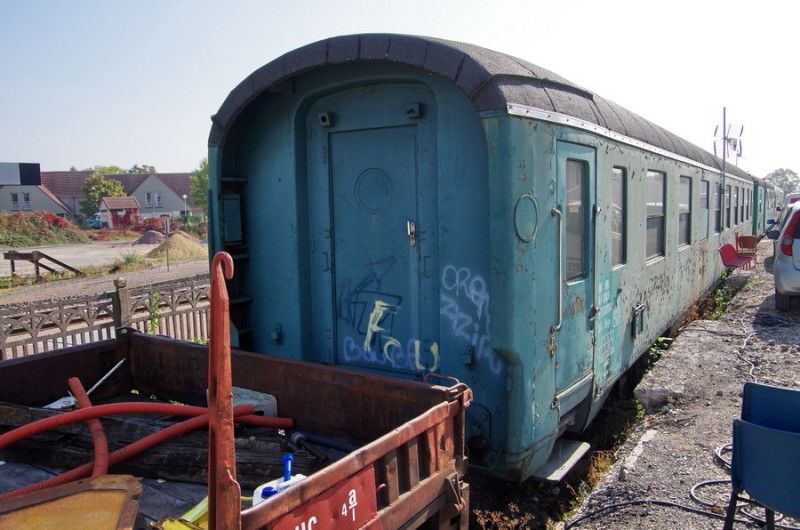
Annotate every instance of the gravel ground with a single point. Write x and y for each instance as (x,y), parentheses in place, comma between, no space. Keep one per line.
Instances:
(692,396)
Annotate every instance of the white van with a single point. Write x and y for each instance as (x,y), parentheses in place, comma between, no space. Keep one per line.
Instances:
(790,198)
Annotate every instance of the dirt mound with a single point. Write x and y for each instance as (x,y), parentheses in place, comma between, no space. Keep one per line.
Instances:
(180,248)
(151,237)
(187,235)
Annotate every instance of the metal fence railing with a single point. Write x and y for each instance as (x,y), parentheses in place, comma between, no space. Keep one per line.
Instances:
(179,309)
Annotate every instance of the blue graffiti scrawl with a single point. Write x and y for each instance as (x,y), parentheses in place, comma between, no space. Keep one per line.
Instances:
(356,303)
(370,313)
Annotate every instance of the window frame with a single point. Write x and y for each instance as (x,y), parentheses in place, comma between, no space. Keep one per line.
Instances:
(656,216)
(574,240)
(619,251)
(705,208)
(728,206)
(684,212)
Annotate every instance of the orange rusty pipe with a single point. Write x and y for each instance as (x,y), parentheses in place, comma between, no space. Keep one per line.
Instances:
(99,439)
(224,493)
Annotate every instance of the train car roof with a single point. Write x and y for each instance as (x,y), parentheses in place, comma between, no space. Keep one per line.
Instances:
(491,80)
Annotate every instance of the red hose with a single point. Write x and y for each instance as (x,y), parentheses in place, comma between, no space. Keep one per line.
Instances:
(96,411)
(99,439)
(126,452)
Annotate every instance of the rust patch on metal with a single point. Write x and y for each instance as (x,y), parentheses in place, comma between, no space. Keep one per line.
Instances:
(577,305)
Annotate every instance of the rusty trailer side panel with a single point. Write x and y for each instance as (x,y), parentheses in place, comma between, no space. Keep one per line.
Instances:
(407,470)
(415,471)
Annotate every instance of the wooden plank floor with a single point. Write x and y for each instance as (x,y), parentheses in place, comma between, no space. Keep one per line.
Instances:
(159,498)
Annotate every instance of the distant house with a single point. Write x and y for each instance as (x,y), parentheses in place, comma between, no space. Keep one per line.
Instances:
(118,212)
(158,193)
(31,198)
(21,190)
(68,187)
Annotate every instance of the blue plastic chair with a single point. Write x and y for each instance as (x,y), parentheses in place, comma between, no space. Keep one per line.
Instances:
(771,406)
(766,449)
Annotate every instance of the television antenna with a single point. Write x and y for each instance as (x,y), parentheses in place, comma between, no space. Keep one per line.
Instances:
(729,142)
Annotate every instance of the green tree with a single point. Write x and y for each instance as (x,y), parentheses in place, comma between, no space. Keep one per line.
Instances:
(95,188)
(144,169)
(199,179)
(786,179)
(106,170)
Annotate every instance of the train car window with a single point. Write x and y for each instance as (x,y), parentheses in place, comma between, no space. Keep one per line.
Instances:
(735,205)
(619,216)
(705,189)
(727,206)
(575,219)
(718,209)
(656,192)
(685,212)
(745,202)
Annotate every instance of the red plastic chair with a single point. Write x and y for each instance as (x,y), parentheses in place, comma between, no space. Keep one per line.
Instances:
(733,260)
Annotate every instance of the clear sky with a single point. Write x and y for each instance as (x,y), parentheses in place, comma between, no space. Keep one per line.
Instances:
(124,82)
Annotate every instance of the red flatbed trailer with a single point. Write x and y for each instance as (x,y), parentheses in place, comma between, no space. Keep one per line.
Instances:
(407,469)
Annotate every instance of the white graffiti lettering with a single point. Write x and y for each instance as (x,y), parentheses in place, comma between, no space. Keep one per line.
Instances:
(466,307)
(473,287)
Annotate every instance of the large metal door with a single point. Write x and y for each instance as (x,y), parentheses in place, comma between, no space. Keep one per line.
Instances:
(373,200)
(574,353)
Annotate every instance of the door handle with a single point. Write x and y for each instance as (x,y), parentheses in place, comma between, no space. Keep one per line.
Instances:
(411,230)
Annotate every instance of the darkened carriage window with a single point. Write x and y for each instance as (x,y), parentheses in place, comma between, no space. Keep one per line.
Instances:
(685,212)
(718,208)
(656,192)
(575,219)
(619,216)
(735,205)
(749,208)
(742,214)
(705,189)
(727,206)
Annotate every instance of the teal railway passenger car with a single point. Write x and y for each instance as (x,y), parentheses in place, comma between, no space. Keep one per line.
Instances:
(767,201)
(406,205)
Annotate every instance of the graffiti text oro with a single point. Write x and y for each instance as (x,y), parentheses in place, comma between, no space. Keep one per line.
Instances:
(466,307)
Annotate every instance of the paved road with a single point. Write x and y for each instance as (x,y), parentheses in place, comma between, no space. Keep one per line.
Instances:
(77,256)
(92,254)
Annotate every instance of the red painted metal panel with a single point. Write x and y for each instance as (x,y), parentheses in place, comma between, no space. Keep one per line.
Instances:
(347,506)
